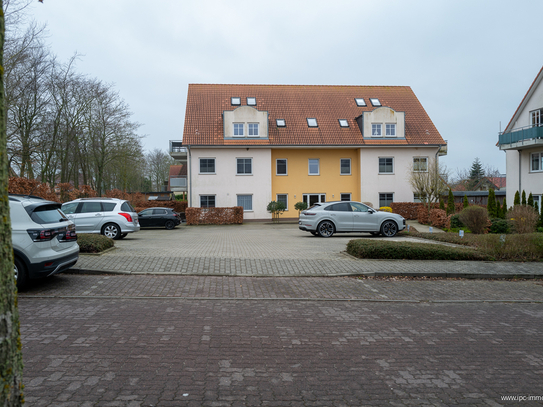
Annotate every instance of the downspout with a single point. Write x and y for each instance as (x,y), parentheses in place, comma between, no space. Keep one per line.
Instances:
(190,176)
(519,173)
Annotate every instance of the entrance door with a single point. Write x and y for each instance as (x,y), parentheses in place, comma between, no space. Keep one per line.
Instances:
(312,199)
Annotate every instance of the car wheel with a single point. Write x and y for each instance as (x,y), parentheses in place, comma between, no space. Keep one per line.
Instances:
(170,224)
(389,228)
(326,229)
(20,273)
(112,231)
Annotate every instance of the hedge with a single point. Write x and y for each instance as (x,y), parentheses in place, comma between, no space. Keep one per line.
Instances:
(93,243)
(214,216)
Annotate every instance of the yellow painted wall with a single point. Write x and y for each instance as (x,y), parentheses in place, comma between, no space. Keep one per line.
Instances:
(329,182)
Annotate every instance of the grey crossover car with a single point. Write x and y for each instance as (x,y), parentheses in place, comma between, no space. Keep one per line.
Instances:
(111,217)
(325,219)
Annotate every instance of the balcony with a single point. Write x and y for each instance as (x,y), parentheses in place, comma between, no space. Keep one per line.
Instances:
(177,151)
(522,138)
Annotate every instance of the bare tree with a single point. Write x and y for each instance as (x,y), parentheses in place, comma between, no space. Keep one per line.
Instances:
(429,183)
(158,167)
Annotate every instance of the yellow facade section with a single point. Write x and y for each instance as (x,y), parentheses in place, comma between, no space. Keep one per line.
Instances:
(329,181)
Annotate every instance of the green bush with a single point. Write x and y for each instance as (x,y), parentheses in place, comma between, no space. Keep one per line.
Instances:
(93,243)
(372,249)
(455,222)
(499,226)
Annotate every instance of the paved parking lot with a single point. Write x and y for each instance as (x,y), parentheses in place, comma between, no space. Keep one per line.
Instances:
(258,249)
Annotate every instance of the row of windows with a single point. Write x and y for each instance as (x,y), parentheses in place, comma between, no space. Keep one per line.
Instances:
(245,201)
(377,130)
(251,101)
(386,165)
(252,130)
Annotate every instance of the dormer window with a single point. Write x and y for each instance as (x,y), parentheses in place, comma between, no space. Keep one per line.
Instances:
(238,130)
(360,101)
(235,101)
(251,101)
(536,118)
(390,130)
(280,122)
(376,130)
(375,102)
(343,123)
(312,122)
(253,129)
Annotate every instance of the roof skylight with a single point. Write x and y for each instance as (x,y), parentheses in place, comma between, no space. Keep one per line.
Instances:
(281,122)
(360,101)
(343,123)
(235,101)
(251,101)
(375,102)
(312,122)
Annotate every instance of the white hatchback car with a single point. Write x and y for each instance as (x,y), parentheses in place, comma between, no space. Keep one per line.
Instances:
(325,219)
(44,240)
(111,217)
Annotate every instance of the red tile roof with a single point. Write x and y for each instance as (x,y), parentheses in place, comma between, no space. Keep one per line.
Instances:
(178,170)
(295,103)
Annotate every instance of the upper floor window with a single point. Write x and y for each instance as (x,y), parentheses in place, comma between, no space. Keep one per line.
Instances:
(281,166)
(313,166)
(343,123)
(251,101)
(253,129)
(207,166)
(312,122)
(390,130)
(244,166)
(281,123)
(420,164)
(376,130)
(238,129)
(386,165)
(536,117)
(537,162)
(345,166)
(235,101)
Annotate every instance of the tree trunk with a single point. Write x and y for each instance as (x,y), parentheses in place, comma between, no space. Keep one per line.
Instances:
(11,359)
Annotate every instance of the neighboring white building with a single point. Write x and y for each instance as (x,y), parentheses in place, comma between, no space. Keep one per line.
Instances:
(246,145)
(522,142)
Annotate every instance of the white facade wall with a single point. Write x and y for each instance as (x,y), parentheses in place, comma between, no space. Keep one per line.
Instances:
(526,180)
(225,184)
(372,185)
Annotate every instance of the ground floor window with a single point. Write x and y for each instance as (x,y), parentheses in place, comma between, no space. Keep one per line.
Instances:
(283,198)
(312,199)
(207,201)
(345,197)
(539,200)
(385,199)
(245,201)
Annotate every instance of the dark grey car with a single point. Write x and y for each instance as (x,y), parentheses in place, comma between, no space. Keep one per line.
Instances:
(325,219)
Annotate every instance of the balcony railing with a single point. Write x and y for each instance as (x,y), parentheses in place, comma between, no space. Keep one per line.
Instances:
(528,135)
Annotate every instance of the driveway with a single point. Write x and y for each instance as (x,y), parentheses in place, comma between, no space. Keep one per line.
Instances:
(258,249)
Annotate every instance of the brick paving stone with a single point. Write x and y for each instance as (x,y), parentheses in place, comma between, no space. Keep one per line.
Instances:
(162,351)
(257,249)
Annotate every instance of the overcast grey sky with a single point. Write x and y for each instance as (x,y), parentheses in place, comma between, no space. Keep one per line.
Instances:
(469,62)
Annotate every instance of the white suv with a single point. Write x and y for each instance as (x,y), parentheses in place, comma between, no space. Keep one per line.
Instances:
(44,240)
(111,217)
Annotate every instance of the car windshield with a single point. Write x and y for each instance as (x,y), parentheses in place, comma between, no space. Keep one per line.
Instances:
(47,214)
